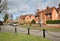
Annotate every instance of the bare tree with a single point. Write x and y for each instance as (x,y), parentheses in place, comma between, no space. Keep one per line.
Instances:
(3,7)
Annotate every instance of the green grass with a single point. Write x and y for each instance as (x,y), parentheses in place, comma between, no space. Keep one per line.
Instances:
(40,28)
(20,37)
(32,26)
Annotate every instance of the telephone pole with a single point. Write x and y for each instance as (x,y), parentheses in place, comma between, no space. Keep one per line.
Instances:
(41,17)
(41,21)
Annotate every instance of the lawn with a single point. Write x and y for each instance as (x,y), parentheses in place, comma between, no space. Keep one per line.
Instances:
(20,37)
(40,28)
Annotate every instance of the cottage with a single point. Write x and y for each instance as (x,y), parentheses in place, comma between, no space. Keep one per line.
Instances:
(26,18)
(50,13)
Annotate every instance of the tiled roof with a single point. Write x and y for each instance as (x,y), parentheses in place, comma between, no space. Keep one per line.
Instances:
(37,13)
(48,10)
(23,16)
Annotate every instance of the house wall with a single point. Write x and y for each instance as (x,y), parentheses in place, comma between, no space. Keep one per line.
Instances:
(37,19)
(43,17)
(21,21)
(27,19)
(32,17)
(59,15)
(54,15)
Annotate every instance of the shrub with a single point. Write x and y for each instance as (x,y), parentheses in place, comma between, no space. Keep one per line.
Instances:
(53,21)
(21,22)
(26,22)
(1,23)
(6,16)
(33,21)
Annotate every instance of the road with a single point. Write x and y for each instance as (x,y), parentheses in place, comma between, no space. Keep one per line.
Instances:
(54,36)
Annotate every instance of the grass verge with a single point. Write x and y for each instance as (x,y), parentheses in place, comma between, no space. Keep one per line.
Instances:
(20,37)
(41,28)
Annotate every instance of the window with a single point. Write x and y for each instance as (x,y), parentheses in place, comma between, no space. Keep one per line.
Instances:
(48,15)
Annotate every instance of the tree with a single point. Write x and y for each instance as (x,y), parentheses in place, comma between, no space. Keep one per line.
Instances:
(33,21)
(3,7)
(6,17)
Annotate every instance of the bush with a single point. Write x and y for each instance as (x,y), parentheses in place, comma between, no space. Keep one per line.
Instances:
(27,22)
(6,16)
(1,23)
(53,21)
(33,21)
(21,23)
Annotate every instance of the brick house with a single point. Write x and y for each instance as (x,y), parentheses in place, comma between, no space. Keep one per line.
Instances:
(26,18)
(50,13)
(21,19)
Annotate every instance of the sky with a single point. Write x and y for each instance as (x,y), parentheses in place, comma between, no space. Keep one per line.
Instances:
(21,7)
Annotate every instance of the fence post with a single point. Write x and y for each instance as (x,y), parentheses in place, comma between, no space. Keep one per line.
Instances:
(43,33)
(0,29)
(28,31)
(15,30)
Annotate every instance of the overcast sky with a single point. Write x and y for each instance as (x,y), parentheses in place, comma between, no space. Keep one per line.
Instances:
(19,7)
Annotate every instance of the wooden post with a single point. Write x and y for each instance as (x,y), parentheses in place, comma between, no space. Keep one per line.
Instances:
(28,31)
(0,29)
(15,30)
(43,33)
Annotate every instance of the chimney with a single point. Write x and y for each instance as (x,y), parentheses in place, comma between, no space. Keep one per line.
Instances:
(37,9)
(47,7)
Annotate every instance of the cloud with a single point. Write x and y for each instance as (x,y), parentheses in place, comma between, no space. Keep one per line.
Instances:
(20,7)
(50,3)
(35,4)
(12,11)
(24,6)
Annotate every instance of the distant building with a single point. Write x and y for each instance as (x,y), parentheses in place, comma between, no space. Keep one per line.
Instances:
(48,14)
(27,18)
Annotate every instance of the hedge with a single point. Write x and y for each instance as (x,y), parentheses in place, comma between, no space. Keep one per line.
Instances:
(53,21)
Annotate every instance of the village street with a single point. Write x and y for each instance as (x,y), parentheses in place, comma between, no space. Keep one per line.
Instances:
(55,36)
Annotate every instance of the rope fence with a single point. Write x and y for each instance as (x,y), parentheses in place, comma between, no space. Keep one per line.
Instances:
(53,35)
(21,30)
(28,30)
(35,31)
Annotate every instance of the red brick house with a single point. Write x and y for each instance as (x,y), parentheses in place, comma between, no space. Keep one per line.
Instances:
(27,18)
(50,13)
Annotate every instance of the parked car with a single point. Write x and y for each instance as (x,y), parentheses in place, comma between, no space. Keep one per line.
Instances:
(13,24)
(1,23)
